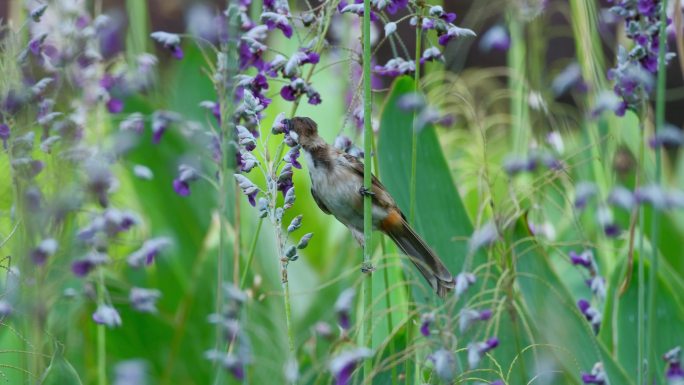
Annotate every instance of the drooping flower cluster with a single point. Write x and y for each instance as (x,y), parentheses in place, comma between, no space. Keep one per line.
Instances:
(633,74)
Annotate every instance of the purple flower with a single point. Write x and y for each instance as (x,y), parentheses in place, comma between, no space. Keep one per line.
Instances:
(116,221)
(477,350)
(148,252)
(343,307)
(161,120)
(245,138)
(284,183)
(445,364)
(675,373)
(144,300)
(170,41)
(482,237)
(431,54)
(4,134)
(454,32)
(36,44)
(274,20)
(5,309)
(82,267)
(395,6)
(186,174)
(396,67)
(131,372)
(45,249)
(495,39)
(229,361)
(468,317)
(248,188)
(590,313)
(114,105)
(107,315)
(622,197)
(597,375)
(134,122)
(585,259)
(343,365)
(425,321)
(463,282)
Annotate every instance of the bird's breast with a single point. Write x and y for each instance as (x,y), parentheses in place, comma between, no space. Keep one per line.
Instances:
(338,188)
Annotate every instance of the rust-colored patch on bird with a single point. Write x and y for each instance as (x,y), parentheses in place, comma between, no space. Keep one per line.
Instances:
(392,221)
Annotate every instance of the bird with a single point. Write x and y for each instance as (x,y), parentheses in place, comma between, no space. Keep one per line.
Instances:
(337,188)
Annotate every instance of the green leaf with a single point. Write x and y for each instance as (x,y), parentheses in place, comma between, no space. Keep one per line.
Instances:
(60,371)
(553,313)
(440,216)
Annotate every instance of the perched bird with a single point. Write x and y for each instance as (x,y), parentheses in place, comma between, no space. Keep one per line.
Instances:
(337,188)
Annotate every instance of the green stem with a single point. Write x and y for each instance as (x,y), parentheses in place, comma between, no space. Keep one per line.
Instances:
(250,257)
(641,288)
(367,285)
(516,83)
(587,43)
(286,290)
(388,298)
(659,123)
(101,335)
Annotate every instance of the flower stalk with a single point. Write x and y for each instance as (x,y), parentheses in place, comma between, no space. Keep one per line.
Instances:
(367,285)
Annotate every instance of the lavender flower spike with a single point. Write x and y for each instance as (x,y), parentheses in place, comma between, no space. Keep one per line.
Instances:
(477,350)
(343,365)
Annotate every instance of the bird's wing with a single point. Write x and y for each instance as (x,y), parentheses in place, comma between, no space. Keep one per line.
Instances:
(319,202)
(381,197)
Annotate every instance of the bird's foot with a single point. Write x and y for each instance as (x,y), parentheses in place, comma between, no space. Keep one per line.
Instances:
(367,268)
(366,192)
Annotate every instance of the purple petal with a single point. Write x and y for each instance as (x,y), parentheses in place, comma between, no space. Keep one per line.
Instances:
(181,188)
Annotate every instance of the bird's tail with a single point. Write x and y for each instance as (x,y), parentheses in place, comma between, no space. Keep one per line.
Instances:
(427,262)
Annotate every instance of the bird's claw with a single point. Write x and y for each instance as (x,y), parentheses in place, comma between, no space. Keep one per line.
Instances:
(367,268)
(366,192)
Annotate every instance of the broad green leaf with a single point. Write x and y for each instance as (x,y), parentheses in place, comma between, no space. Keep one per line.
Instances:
(439,213)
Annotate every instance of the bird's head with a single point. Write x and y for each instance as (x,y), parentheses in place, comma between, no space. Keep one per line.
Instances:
(304,129)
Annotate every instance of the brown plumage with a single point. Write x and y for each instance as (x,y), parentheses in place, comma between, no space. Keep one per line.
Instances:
(337,188)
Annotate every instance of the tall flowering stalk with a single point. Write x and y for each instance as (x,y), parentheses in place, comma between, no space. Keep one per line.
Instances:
(367,288)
